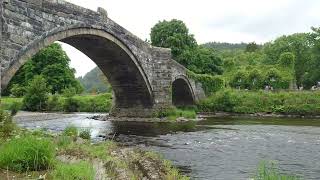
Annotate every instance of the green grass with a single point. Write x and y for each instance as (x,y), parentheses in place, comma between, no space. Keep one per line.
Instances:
(77,171)
(7,127)
(85,134)
(282,102)
(174,113)
(84,103)
(269,171)
(7,102)
(71,131)
(28,153)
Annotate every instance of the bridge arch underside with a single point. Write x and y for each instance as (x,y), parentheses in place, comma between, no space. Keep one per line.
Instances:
(182,94)
(127,78)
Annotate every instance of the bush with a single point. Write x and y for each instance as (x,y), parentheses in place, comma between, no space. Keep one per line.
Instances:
(54,104)
(173,113)
(209,83)
(299,103)
(77,171)
(36,96)
(27,154)
(85,134)
(6,124)
(71,131)
(17,90)
(268,171)
(71,105)
(15,107)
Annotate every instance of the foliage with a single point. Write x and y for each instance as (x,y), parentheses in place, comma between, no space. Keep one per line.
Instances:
(174,113)
(15,107)
(70,131)
(6,124)
(81,170)
(209,83)
(27,153)
(269,171)
(17,91)
(298,44)
(201,61)
(36,96)
(252,47)
(246,102)
(96,81)
(287,59)
(85,134)
(52,63)
(172,34)
(85,103)
(223,46)
(175,35)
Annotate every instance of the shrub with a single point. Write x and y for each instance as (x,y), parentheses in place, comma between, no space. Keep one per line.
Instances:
(268,171)
(173,113)
(85,134)
(17,90)
(15,107)
(54,103)
(71,105)
(6,124)
(36,96)
(209,83)
(27,154)
(71,131)
(78,171)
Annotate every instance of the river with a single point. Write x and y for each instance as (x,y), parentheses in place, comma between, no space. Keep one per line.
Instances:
(216,148)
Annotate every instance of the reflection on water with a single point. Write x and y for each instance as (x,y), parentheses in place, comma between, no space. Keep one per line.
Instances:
(217,148)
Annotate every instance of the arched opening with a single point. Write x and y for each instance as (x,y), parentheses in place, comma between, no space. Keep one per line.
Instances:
(129,83)
(182,93)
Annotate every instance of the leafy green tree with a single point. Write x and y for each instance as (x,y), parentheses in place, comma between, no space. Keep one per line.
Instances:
(255,80)
(298,44)
(202,61)
(287,60)
(53,64)
(17,91)
(252,47)
(36,96)
(172,34)
(239,80)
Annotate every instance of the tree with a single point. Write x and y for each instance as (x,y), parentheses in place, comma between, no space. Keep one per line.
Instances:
(53,64)
(202,61)
(172,34)
(298,44)
(36,96)
(252,47)
(287,59)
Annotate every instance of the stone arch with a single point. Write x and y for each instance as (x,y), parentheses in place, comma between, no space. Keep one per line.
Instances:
(182,92)
(125,74)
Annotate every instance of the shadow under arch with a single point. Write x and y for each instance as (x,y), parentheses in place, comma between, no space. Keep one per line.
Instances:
(125,74)
(182,92)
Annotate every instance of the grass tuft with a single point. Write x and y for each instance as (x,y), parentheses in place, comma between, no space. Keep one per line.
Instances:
(27,154)
(78,171)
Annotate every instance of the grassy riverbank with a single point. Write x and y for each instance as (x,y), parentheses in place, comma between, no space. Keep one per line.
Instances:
(233,101)
(78,103)
(247,102)
(71,155)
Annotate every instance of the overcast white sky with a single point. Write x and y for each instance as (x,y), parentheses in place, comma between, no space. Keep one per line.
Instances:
(209,20)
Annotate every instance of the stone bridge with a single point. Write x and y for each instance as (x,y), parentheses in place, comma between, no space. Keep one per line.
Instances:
(144,78)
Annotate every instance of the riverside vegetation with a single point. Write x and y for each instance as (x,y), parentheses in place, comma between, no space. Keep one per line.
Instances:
(70,155)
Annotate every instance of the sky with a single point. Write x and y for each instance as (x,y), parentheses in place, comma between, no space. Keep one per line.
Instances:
(231,21)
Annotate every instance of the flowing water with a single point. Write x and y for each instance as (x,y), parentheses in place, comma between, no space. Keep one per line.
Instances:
(216,148)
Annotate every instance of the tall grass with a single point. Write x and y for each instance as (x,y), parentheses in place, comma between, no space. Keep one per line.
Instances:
(174,113)
(6,124)
(283,102)
(77,171)
(269,171)
(27,153)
